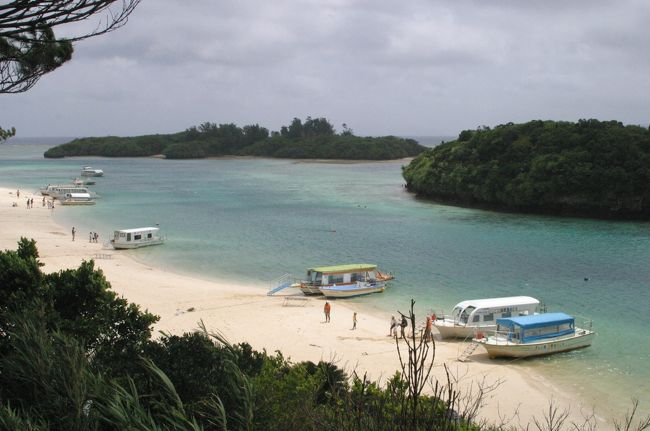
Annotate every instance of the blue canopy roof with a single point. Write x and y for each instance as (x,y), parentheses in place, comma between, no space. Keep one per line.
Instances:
(536,320)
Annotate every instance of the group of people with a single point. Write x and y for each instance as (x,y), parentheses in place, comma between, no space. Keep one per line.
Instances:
(93,237)
(30,203)
(403,324)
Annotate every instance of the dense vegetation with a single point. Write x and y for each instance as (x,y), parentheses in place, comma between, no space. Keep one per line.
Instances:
(313,139)
(589,168)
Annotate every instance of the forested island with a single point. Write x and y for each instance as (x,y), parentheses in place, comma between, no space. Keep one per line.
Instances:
(315,138)
(590,168)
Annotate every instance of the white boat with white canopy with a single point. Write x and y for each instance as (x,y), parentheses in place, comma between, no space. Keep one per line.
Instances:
(87,171)
(136,238)
(540,334)
(480,315)
(77,199)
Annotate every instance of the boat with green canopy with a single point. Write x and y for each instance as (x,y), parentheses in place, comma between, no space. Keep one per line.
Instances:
(344,281)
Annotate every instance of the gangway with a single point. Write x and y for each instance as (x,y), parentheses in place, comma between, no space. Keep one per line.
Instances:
(280,283)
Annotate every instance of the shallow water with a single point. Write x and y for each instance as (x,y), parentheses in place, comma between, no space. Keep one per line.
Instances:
(252,220)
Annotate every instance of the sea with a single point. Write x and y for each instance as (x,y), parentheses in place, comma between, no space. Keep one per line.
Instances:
(251,220)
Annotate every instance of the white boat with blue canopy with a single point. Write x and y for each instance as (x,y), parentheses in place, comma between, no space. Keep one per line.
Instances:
(540,334)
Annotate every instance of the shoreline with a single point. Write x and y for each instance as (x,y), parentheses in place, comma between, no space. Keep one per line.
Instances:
(243,312)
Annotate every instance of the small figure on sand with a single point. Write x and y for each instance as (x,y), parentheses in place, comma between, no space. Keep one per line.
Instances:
(90,237)
(393,327)
(427,331)
(74,231)
(18,193)
(43,201)
(403,324)
(354,321)
(327,309)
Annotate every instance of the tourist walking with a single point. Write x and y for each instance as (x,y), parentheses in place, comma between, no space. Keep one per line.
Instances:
(403,324)
(74,231)
(327,309)
(393,326)
(354,321)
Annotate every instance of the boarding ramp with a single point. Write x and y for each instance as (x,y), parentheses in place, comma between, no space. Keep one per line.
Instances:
(280,283)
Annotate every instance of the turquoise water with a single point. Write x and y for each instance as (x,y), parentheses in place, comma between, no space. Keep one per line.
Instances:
(254,219)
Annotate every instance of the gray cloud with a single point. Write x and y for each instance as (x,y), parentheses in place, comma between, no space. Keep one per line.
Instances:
(416,68)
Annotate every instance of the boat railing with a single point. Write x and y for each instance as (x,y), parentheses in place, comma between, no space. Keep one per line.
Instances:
(280,283)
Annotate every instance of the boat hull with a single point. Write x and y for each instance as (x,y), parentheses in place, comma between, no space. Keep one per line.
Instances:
(121,246)
(349,291)
(449,329)
(75,202)
(500,348)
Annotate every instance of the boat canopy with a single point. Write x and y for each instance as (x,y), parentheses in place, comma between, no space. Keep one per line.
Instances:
(508,301)
(539,326)
(340,269)
(137,229)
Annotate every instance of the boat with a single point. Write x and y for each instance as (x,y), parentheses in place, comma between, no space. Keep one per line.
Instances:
(473,315)
(136,238)
(536,335)
(87,171)
(48,189)
(60,191)
(79,182)
(344,281)
(77,199)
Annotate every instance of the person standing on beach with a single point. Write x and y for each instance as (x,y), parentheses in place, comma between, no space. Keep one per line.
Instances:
(327,309)
(90,237)
(18,193)
(427,331)
(354,321)
(74,231)
(403,324)
(393,326)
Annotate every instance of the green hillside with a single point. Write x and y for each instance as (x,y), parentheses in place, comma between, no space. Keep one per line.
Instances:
(590,168)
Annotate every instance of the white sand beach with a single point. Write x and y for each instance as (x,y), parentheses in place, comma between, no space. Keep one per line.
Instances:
(297,329)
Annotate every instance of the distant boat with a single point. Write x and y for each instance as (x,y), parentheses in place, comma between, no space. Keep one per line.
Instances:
(77,199)
(344,281)
(479,315)
(80,182)
(87,171)
(540,334)
(136,238)
(60,191)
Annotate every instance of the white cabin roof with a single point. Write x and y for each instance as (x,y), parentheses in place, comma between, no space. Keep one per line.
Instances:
(137,229)
(507,301)
(78,195)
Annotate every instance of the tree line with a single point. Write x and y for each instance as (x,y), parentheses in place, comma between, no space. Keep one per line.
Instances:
(588,168)
(315,138)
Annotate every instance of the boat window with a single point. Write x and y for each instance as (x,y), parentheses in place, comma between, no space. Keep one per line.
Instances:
(128,237)
(318,279)
(476,318)
(137,237)
(149,235)
(336,279)
(488,317)
(465,314)
(507,314)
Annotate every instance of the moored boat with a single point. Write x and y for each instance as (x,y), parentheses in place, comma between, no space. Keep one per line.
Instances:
(344,281)
(480,315)
(540,334)
(88,171)
(136,238)
(77,199)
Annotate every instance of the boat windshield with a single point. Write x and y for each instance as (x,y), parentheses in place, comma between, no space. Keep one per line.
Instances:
(464,316)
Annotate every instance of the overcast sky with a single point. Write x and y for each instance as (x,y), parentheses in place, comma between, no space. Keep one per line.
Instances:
(417,67)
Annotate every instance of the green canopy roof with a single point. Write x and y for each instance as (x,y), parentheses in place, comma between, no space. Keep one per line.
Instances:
(354,267)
